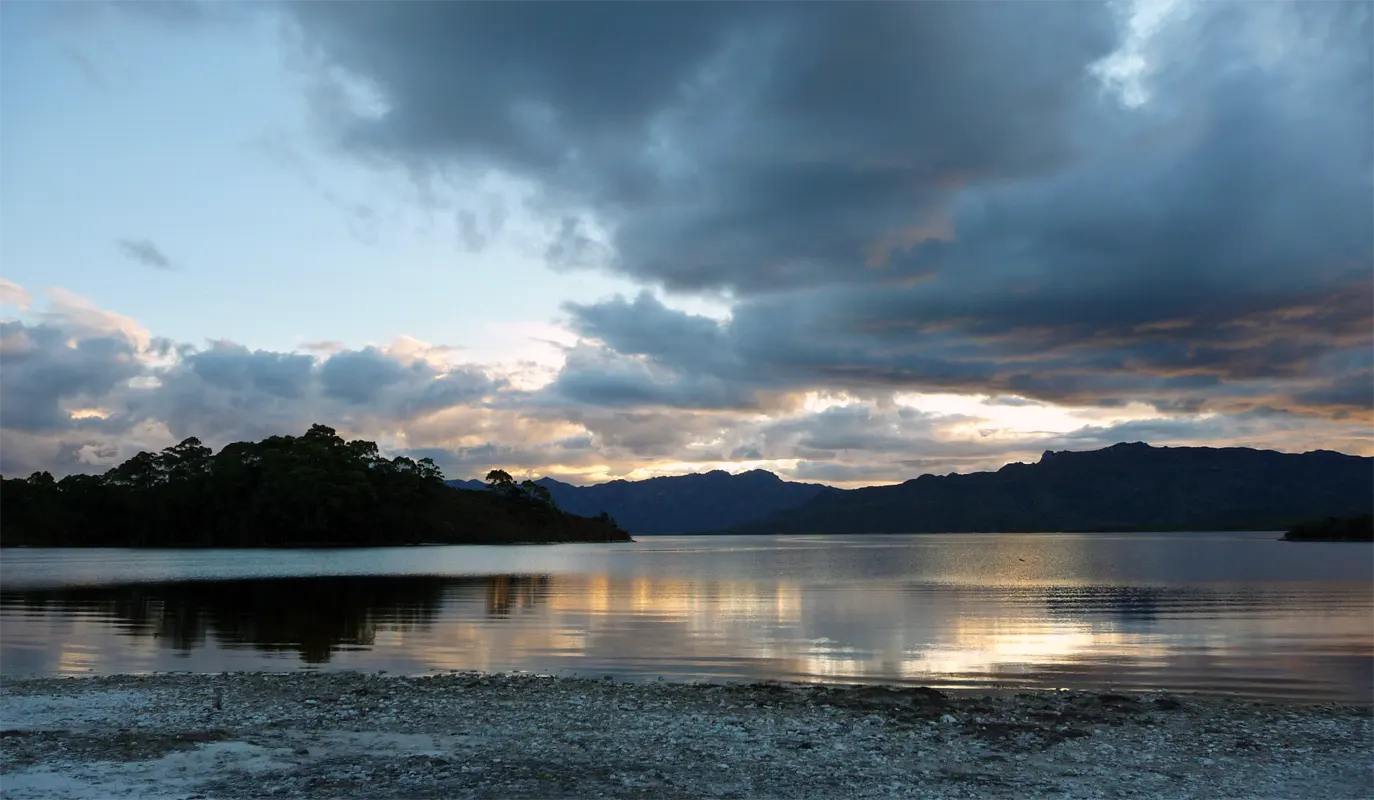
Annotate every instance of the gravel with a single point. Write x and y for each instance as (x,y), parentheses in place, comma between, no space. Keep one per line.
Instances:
(349,735)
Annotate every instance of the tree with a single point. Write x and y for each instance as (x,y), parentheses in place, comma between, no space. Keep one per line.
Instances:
(310,490)
(42,480)
(537,493)
(186,459)
(140,472)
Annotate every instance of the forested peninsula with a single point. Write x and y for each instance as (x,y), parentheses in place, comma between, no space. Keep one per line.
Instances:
(315,490)
(1333,529)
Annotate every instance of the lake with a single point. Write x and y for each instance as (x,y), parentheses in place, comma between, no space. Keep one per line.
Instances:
(1233,613)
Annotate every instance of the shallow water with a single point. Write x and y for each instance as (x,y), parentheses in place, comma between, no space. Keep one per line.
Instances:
(1237,613)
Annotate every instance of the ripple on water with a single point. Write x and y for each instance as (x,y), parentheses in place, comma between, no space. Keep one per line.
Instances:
(1230,613)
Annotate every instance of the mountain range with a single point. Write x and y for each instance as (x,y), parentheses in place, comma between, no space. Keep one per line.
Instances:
(1119,488)
(696,503)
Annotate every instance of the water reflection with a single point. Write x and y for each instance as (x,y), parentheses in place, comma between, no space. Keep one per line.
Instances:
(1128,603)
(955,612)
(310,617)
(510,593)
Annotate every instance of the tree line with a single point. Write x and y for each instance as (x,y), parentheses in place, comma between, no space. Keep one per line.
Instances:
(312,490)
(500,481)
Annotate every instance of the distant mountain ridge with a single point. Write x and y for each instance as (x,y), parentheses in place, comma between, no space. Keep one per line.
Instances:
(1123,487)
(696,503)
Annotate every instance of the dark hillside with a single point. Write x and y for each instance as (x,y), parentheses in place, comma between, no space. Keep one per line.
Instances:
(1120,488)
(700,502)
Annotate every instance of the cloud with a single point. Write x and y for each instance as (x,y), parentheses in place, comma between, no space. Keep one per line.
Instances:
(83,388)
(227,392)
(920,196)
(12,294)
(359,376)
(1350,395)
(1162,231)
(232,367)
(44,368)
(856,427)
(76,376)
(325,346)
(144,252)
(636,437)
(81,318)
(599,376)
(727,144)
(901,444)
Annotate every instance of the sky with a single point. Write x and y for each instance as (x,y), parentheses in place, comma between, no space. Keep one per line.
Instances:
(850,243)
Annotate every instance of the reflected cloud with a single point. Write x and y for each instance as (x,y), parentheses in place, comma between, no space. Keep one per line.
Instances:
(1299,639)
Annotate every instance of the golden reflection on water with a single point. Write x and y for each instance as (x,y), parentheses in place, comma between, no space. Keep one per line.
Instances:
(1042,622)
(76,658)
(870,632)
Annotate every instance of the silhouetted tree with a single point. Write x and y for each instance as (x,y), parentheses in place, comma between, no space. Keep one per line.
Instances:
(315,489)
(537,493)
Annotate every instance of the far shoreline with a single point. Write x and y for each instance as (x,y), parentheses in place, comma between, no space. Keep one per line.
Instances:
(1333,529)
(312,546)
(631,539)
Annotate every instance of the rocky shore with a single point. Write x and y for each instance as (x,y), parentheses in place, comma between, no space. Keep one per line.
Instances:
(468,735)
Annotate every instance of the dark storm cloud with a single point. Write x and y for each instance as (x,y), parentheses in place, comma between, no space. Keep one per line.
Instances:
(1346,395)
(655,355)
(144,252)
(924,196)
(645,327)
(821,341)
(600,376)
(732,144)
(891,197)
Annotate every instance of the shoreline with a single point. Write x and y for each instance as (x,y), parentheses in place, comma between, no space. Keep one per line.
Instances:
(318,546)
(355,735)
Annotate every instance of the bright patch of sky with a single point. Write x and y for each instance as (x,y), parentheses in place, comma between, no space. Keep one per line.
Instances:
(981,416)
(1126,72)
(1011,416)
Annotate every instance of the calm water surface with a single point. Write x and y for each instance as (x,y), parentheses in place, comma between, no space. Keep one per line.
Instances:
(1234,613)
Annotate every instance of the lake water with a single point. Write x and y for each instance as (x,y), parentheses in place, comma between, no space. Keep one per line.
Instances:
(1237,613)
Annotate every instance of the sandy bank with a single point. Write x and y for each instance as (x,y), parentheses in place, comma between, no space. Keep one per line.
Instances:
(369,736)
